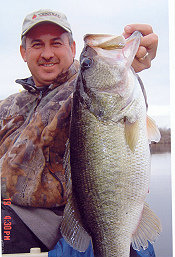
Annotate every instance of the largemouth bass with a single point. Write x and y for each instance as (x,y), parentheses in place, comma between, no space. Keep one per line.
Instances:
(109,152)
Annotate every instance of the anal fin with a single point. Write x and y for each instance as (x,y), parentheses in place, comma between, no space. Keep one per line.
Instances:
(148,229)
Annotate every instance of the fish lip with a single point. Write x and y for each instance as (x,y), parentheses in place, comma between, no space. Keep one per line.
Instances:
(105,41)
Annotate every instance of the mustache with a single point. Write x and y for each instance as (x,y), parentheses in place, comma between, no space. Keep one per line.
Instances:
(50,61)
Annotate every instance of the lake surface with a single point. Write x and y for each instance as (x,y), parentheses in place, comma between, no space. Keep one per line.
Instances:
(159,199)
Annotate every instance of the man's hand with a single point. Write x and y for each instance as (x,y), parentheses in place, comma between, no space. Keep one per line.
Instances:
(148,45)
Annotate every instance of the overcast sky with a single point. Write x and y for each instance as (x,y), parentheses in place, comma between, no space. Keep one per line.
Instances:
(92,16)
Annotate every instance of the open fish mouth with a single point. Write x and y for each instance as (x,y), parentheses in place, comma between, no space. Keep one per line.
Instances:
(106,42)
(113,47)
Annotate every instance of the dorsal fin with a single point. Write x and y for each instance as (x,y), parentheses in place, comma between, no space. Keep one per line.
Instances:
(152,130)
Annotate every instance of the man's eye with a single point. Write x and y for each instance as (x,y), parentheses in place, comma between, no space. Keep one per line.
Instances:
(57,43)
(37,45)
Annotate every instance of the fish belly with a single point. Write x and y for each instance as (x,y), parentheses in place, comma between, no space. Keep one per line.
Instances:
(109,181)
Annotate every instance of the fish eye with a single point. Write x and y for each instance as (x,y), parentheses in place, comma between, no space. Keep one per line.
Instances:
(87,62)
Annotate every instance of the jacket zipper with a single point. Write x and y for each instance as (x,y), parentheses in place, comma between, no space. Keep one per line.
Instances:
(37,103)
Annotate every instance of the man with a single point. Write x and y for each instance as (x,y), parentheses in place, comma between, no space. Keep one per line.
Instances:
(35,128)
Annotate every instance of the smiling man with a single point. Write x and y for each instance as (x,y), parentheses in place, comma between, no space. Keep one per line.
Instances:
(47,52)
(34,128)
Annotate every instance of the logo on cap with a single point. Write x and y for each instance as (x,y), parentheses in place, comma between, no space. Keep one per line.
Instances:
(46,14)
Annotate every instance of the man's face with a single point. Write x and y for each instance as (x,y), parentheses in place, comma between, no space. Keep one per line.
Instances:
(47,52)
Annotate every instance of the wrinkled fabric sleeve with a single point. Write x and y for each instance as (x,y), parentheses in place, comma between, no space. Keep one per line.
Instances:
(62,249)
(31,176)
(34,131)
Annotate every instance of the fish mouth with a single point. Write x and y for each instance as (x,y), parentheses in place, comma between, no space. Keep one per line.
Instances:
(106,46)
(107,42)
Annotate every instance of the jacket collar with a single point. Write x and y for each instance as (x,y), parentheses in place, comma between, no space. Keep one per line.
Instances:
(29,85)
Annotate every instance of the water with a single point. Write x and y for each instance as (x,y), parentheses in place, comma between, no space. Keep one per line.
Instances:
(159,199)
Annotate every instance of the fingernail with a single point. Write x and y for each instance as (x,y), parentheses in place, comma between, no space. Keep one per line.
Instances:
(127,28)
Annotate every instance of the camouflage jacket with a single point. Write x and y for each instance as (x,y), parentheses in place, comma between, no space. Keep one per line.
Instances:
(34,127)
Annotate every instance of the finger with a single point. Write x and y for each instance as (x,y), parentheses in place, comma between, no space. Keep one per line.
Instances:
(145,29)
(148,45)
(150,42)
(142,59)
(141,52)
(140,65)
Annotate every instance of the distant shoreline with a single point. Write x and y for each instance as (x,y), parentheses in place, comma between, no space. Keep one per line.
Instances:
(164,145)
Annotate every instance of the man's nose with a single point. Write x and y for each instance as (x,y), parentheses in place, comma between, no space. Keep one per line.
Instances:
(47,53)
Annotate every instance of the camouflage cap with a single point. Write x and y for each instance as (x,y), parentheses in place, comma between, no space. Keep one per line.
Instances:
(45,15)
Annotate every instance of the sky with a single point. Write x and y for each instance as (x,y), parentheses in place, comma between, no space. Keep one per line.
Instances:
(92,16)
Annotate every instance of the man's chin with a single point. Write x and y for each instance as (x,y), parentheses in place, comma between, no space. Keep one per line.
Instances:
(45,83)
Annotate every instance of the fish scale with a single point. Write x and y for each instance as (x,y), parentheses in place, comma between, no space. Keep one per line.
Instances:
(109,179)
(109,158)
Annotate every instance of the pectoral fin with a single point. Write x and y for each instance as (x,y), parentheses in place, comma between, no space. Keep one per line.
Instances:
(131,134)
(152,130)
(148,229)
(72,229)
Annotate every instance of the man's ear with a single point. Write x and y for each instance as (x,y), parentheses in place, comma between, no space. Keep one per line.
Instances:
(23,53)
(73,48)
